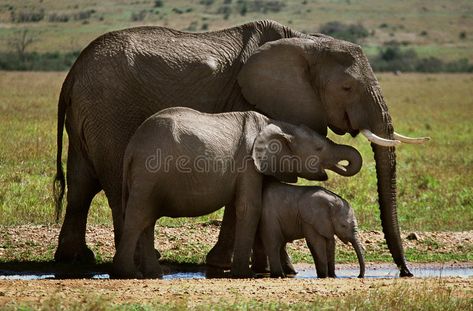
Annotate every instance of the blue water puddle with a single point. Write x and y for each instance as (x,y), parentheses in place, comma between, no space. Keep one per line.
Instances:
(307,273)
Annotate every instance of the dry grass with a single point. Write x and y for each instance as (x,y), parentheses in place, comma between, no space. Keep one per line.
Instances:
(442,21)
(435,185)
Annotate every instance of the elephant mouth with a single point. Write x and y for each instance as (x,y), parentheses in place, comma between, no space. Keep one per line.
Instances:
(321,175)
(346,127)
(342,168)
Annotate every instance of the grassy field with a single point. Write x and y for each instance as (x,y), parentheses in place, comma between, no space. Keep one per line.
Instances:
(435,194)
(434,180)
(420,295)
(432,28)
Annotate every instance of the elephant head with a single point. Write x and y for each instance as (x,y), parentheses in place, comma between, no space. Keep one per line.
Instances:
(323,82)
(286,152)
(345,227)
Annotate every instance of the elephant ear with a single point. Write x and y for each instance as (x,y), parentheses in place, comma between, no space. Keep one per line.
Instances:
(276,79)
(270,148)
(316,212)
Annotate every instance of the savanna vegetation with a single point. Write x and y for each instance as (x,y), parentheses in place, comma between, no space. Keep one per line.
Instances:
(435,184)
(435,187)
(397,36)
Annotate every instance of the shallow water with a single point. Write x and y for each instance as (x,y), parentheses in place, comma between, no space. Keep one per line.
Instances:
(371,272)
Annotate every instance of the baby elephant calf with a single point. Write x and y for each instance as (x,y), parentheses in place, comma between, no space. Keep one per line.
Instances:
(294,212)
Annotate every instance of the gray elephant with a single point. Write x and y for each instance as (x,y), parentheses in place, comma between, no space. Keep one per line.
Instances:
(125,76)
(314,213)
(184,163)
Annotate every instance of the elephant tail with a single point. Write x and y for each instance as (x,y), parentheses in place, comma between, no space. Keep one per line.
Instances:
(59,183)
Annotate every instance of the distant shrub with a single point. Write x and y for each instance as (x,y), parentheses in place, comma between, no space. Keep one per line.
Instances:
(58,18)
(158,3)
(393,58)
(34,61)
(192,26)
(177,10)
(206,2)
(353,33)
(462,35)
(138,16)
(245,6)
(82,15)
(27,16)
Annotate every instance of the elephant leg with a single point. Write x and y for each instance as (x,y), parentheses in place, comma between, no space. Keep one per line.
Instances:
(318,248)
(259,260)
(114,196)
(149,264)
(248,213)
(287,266)
(331,258)
(220,255)
(82,186)
(139,217)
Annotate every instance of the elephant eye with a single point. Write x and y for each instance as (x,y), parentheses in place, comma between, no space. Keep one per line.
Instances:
(346,88)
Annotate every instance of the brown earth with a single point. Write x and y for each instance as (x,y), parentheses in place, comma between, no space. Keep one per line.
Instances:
(30,242)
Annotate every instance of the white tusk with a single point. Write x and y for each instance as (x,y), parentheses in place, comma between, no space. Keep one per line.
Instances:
(411,140)
(378,140)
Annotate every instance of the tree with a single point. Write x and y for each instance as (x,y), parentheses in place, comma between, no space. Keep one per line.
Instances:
(20,41)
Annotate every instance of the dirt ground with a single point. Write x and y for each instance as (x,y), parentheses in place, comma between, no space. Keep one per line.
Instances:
(29,242)
(32,241)
(201,291)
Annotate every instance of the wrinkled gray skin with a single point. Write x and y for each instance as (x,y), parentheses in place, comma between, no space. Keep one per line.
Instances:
(184,163)
(125,76)
(314,213)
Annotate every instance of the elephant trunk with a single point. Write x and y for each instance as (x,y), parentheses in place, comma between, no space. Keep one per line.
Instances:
(359,254)
(349,154)
(385,158)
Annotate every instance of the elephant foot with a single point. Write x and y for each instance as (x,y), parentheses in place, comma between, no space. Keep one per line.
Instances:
(219,258)
(260,268)
(242,274)
(73,254)
(125,274)
(404,272)
(279,275)
(153,273)
(289,269)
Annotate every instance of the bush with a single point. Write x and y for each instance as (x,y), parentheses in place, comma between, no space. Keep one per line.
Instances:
(27,16)
(34,61)
(138,16)
(82,15)
(58,18)
(158,3)
(353,33)
(393,58)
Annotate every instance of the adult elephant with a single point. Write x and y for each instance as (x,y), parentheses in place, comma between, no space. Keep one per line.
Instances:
(123,77)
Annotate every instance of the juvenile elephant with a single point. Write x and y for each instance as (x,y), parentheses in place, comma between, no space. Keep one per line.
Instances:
(314,213)
(184,163)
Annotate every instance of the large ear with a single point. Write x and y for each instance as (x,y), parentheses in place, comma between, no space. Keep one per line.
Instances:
(316,213)
(269,149)
(277,80)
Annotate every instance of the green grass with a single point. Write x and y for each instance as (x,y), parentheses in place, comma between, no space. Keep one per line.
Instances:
(402,21)
(434,181)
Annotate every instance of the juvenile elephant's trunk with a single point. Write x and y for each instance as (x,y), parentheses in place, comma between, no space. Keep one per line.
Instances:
(350,154)
(359,253)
